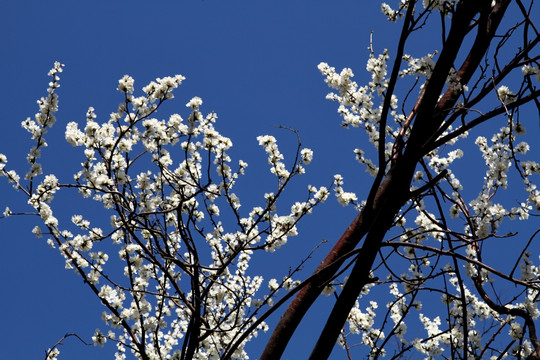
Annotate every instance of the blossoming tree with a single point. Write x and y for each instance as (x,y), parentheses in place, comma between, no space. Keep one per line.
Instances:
(183,288)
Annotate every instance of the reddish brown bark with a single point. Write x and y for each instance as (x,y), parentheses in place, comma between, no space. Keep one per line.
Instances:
(390,194)
(305,297)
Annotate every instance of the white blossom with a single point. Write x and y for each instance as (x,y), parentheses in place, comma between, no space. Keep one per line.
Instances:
(505,95)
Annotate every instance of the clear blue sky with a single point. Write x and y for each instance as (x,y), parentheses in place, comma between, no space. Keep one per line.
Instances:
(253,62)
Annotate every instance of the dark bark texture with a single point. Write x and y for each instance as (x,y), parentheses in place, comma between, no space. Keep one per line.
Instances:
(390,191)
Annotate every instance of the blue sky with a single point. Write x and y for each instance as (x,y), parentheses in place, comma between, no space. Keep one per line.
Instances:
(253,62)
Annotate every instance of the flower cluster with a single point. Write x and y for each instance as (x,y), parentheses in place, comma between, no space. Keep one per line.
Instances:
(343,197)
(43,120)
(165,185)
(505,94)
(498,158)
(274,157)
(433,236)
(529,70)
(363,323)
(392,14)
(357,103)
(419,66)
